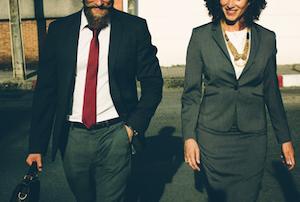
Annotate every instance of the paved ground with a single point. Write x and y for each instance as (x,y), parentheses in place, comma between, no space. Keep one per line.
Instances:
(159,174)
(6,75)
(177,71)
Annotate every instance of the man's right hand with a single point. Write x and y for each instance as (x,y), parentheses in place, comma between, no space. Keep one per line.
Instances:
(192,154)
(35,158)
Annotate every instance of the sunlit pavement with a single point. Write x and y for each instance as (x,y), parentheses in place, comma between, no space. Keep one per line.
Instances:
(159,173)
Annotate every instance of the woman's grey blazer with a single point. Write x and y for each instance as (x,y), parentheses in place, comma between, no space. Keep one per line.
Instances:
(225,100)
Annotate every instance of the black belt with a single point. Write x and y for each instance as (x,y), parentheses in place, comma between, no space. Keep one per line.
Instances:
(98,125)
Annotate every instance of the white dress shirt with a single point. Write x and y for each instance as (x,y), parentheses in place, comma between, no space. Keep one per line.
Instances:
(105,108)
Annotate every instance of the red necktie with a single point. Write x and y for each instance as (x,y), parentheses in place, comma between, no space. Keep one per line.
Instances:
(89,103)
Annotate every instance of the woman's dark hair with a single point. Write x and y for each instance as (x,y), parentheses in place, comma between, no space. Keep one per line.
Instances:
(252,13)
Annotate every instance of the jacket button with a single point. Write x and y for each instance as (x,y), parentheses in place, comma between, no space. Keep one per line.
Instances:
(236,87)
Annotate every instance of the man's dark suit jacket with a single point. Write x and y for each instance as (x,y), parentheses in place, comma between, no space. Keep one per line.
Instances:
(131,57)
(226,100)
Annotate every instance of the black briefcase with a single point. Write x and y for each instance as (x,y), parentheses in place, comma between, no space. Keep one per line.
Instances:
(29,188)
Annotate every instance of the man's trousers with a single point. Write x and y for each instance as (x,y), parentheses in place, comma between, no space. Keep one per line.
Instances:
(97,163)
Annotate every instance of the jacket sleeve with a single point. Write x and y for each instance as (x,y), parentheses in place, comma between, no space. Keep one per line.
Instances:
(43,107)
(149,75)
(191,97)
(273,99)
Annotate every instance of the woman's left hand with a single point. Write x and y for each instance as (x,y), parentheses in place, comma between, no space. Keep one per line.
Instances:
(288,154)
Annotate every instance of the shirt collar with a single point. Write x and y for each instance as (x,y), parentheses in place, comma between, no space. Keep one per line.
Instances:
(84,23)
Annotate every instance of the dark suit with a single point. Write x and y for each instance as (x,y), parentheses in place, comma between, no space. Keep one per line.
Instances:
(131,57)
(229,118)
(96,161)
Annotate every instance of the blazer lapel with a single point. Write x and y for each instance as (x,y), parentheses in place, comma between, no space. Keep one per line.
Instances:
(217,35)
(116,34)
(71,43)
(255,41)
(71,47)
(219,39)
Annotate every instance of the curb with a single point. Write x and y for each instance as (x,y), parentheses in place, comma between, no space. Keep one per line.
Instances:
(296,68)
(289,80)
(17,85)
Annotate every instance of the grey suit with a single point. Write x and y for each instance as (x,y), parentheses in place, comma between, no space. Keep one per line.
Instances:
(227,100)
(228,117)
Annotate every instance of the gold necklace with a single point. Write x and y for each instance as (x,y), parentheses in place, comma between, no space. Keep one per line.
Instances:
(239,59)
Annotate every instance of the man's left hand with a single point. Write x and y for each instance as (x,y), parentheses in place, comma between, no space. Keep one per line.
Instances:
(129,133)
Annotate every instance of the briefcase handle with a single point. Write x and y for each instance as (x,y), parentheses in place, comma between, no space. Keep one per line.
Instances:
(29,188)
(32,171)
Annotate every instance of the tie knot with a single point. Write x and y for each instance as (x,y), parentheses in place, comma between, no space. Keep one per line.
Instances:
(94,30)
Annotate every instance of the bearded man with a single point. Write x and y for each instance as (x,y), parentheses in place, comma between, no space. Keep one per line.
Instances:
(86,97)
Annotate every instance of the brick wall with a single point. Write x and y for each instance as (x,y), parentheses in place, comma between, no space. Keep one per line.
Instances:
(30,40)
(5,48)
(119,4)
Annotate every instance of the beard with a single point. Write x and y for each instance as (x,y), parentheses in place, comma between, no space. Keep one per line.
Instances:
(97,21)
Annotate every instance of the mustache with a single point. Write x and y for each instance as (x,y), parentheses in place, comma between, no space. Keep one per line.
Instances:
(102,6)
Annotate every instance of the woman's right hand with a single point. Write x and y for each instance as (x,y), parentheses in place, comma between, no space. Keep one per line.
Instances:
(35,158)
(192,154)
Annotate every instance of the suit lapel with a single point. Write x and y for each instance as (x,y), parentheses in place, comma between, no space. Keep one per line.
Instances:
(71,47)
(71,43)
(219,39)
(217,35)
(116,34)
(255,41)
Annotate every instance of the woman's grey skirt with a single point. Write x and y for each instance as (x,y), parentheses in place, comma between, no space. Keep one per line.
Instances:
(233,163)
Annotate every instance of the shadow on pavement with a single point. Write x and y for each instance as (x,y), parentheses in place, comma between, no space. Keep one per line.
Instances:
(286,181)
(14,110)
(15,113)
(155,166)
(9,122)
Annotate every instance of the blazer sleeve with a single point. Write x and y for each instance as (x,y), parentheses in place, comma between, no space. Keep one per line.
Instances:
(148,73)
(191,97)
(43,107)
(273,99)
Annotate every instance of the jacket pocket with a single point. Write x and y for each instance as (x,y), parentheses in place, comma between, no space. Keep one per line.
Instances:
(210,92)
(257,93)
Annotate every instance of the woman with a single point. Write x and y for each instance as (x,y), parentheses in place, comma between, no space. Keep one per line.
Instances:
(235,60)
